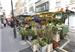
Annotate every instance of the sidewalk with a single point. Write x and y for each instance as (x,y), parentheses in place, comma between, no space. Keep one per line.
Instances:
(9,44)
(71,46)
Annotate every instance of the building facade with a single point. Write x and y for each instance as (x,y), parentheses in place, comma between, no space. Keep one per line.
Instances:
(20,7)
(1,11)
(31,7)
(51,5)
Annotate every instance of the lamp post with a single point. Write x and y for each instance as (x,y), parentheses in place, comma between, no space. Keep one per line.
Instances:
(12,12)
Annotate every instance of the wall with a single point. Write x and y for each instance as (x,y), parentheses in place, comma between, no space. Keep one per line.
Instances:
(31,4)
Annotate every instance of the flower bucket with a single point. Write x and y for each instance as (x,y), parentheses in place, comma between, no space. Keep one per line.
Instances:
(43,49)
(50,47)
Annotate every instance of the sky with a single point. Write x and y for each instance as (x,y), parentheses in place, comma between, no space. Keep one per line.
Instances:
(6,4)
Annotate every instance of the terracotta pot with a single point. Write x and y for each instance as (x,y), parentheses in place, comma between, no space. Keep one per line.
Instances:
(56,38)
(55,44)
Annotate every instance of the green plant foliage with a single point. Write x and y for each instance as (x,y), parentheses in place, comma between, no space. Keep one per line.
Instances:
(27,32)
(23,32)
(42,42)
(54,29)
(47,40)
(35,41)
(31,32)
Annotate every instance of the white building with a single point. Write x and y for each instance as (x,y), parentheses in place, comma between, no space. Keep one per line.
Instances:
(20,7)
(51,5)
(31,7)
(1,10)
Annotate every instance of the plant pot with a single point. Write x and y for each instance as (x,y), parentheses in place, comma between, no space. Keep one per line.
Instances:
(29,38)
(23,37)
(43,49)
(61,35)
(50,47)
(55,44)
(56,37)
(34,48)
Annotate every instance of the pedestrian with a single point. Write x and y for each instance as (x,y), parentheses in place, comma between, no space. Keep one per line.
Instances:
(4,23)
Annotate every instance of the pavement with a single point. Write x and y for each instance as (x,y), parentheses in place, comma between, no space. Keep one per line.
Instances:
(0,36)
(9,43)
(27,50)
(71,46)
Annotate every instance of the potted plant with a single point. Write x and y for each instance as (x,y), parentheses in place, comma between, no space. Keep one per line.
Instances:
(56,34)
(63,32)
(40,33)
(23,33)
(43,45)
(48,39)
(53,34)
(35,45)
(49,45)
(31,34)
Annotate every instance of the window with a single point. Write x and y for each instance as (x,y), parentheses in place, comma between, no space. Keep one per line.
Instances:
(42,7)
(72,1)
(31,9)
(58,4)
